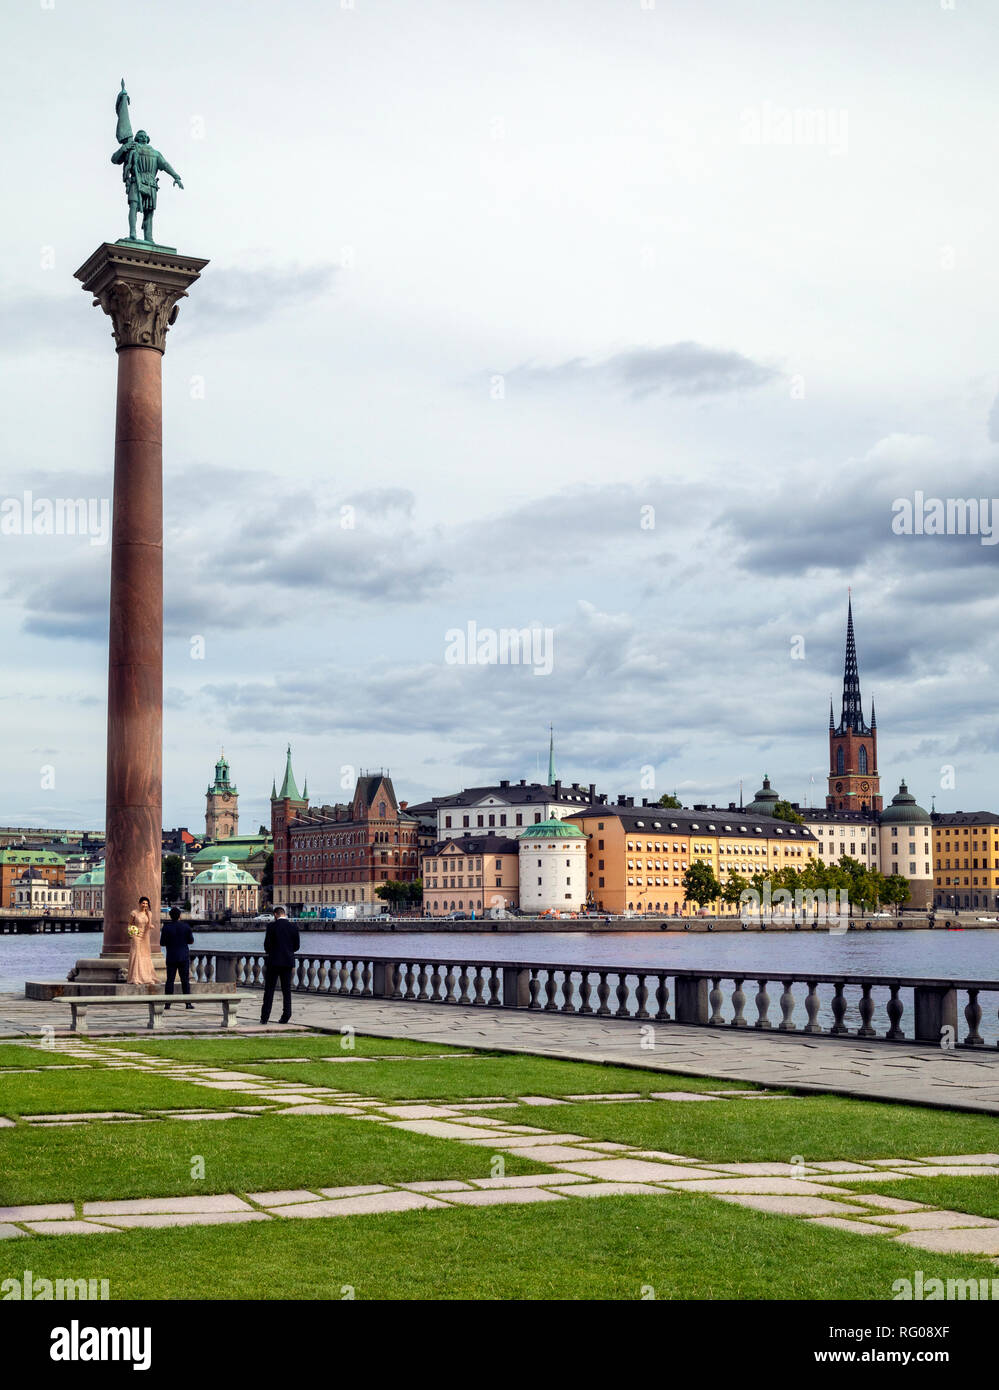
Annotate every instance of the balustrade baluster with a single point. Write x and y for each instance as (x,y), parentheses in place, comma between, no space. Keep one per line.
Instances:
(366,979)
(568,1007)
(477,985)
(812,1003)
(410,979)
(865,1006)
(787,1009)
(449,984)
(585,990)
(622,997)
(551,987)
(495,980)
(739,1019)
(435,982)
(662,998)
(395,973)
(715,997)
(603,994)
(642,998)
(324,976)
(762,1006)
(839,1009)
(422,982)
(895,1008)
(355,977)
(463,995)
(973,1014)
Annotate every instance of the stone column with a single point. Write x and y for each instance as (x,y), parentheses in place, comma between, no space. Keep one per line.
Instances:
(139,290)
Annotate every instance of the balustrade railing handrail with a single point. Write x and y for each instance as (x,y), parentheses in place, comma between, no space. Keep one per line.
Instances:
(719,972)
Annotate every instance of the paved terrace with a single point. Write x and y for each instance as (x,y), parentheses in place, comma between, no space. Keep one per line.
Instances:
(916,1074)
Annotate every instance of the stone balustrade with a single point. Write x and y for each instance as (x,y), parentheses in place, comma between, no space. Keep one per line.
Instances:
(874,1007)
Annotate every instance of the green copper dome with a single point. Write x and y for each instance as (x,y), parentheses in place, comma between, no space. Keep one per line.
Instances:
(224,872)
(903,809)
(552,830)
(764,801)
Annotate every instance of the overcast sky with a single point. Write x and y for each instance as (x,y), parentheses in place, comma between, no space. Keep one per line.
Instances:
(629,321)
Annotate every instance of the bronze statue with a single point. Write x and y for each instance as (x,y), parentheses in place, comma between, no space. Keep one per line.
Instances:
(140,165)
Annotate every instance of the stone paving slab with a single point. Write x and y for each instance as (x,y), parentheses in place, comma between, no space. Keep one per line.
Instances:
(200,1218)
(69,1228)
(771,1186)
(631,1169)
(974,1241)
(363,1206)
(504,1196)
(38,1211)
(279,1199)
(8,1232)
(871,1199)
(617,1189)
(839,1223)
(551,1153)
(138,1206)
(356,1191)
(932,1220)
(793,1206)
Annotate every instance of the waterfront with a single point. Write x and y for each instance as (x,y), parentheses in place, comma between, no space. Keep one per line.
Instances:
(936,954)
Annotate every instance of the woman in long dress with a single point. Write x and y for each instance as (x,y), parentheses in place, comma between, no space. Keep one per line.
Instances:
(140,960)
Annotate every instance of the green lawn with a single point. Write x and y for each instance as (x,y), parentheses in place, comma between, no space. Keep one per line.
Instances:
(976,1196)
(262,1154)
(682,1247)
(17,1055)
(818,1127)
(241,1049)
(489,1074)
(69,1092)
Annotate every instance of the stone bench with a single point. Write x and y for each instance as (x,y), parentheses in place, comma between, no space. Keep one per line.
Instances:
(154,1002)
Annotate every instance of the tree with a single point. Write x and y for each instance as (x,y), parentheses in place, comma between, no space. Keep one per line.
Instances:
(733,888)
(700,885)
(670,802)
(173,878)
(783,810)
(393,892)
(896,891)
(414,893)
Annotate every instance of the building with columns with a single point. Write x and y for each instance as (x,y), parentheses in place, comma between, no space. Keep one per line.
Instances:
(224,887)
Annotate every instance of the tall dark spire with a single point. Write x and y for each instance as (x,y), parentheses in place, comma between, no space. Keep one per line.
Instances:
(852,718)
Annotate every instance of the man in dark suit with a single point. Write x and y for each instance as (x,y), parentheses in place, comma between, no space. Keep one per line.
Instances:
(281,941)
(176,938)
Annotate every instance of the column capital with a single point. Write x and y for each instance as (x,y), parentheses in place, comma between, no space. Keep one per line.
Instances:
(140,290)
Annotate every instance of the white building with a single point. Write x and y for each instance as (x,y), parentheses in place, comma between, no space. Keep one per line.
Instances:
(552,867)
(224,887)
(503,809)
(33,892)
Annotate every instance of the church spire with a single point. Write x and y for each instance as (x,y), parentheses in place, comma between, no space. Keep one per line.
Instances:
(551,755)
(852,718)
(289,787)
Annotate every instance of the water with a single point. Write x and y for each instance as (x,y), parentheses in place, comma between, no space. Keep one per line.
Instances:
(969,955)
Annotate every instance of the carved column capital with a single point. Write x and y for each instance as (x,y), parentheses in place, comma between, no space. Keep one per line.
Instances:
(139,290)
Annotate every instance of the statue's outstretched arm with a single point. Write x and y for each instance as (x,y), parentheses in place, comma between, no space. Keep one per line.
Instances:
(168,169)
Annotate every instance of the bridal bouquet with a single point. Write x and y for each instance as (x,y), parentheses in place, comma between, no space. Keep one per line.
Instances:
(134,929)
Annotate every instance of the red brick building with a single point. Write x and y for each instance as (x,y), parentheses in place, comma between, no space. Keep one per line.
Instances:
(325,856)
(854,782)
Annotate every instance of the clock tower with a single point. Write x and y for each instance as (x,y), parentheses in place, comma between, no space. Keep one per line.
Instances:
(854,784)
(222,805)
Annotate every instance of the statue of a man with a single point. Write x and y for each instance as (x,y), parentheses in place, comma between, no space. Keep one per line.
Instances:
(140,165)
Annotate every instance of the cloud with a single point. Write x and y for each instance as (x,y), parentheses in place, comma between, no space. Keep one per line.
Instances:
(234,299)
(679,369)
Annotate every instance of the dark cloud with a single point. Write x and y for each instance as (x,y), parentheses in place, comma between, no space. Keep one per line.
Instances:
(679,369)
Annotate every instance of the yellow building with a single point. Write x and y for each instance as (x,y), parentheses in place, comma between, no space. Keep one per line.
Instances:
(966,860)
(637,855)
(473,873)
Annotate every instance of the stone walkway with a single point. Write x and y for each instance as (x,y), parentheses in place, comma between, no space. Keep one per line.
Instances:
(580,1167)
(959,1079)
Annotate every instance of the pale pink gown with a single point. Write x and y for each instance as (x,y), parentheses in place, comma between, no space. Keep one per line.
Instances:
(140,960)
